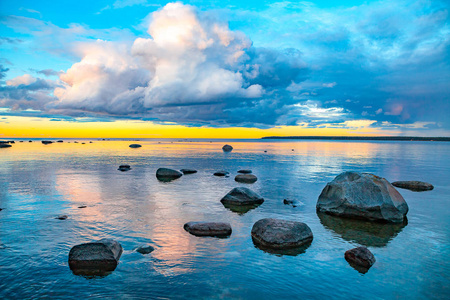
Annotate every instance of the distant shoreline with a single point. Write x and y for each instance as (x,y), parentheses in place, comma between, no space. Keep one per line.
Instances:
(362,138)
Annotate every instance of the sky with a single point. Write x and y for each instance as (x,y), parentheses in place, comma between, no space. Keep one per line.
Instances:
(228,69)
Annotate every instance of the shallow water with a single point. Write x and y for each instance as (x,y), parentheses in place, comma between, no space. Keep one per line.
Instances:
(39,182)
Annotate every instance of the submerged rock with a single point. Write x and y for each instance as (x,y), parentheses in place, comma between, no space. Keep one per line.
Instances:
(416,186)
(135,146)
(188,171)
(227,148)
(62,217)
(145,249)
(362,196)
(294,203)
(245,171)
(281,234)
(5,145)
(221,173)
(164,174)
(60,141)
(208,229)
(82,206)
(124,168)
(46,142)
(360,258)
(246,178)
(242,196)
(95,257)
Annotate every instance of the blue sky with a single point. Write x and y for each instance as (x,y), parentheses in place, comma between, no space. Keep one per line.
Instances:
(235,63)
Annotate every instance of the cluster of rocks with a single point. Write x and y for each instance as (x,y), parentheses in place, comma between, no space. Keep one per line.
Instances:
(5,144)
(351,195)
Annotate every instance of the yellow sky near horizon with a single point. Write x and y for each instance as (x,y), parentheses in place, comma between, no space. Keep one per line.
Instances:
(32,127)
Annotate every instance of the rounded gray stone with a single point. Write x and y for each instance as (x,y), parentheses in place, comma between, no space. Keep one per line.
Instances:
(416,186)
(227,148)
(362,196)
(246,178)
(102,255)
(165,174)
(281,234)
(242,196)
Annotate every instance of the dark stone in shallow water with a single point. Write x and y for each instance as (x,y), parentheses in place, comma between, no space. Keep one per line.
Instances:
(5,145)
(208,229)
(227,148)
(82,206)
(62,217)
(221,173)
(242,196)
(245,171)
(135,146)
(164,174)
(60,141)
(188,171)
(362,196)
(124,168)
(294,203)
(416,186)
(145,249)
(360,258)
(47,142)
(246,178)
(95,258)
(281,234)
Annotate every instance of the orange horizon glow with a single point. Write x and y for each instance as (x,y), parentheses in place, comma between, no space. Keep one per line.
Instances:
(32,127)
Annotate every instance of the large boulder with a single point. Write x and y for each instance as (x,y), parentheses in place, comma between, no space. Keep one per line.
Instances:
(246,178)
(227,148)
(281,234)
(362,196)
(164,174)
(360,258)
(242,196)
(208,229)
(101,256)
(416,186)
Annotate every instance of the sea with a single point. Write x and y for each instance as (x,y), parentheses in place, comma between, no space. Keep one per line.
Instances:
(40,182)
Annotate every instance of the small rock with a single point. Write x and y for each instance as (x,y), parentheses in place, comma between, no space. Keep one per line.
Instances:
(294,203)
(246,178)
(164,174)
(242,196)
(83,143)
(21,141)
(245,171)
(227,148)
(4,145)
(208,229)
(188,171)
(47,142)
(60,141)
(416,186)
(124,168)
(360,258)
(145,249)
(61,217)
(30,141)
(75,142)
(97,257)
(135,146)
(265,151)
(281,234)
(221,173)
(82,206)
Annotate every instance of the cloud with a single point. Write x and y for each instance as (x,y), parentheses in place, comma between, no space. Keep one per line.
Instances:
(191,69)
(3,71)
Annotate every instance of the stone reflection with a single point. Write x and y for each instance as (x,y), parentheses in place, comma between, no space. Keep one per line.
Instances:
(280,252)
(369,234)
(240,209)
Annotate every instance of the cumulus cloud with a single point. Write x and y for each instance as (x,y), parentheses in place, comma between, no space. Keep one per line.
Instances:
(190,61)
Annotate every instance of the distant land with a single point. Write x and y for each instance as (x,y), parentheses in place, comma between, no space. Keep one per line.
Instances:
(363,138)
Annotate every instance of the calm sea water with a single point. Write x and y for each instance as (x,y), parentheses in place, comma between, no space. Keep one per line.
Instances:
(39,182)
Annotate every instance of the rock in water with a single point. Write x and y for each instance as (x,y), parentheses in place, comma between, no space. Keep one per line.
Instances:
(221,173)
(245,171)
(60,141)
(208,229)
(246,178)
(99,256)
(227,148)
(416,186)
(360,258)
(242,196)
(47,142)
(5,145)
(135,146)
(362,196)
(145,249)
(164,174)
(281,234)
(294,203)
(124,168)
(61,217)
(188,171)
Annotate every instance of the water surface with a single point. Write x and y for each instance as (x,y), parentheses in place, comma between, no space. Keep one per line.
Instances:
(39,182)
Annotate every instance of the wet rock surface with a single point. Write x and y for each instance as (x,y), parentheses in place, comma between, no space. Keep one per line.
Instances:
(360,258)
(242,196)
(221,173)
(188,171)
(165,174)
(227,148)
(416,186)
(215,229)
(246,178)
(363,196)
(145,249)
(135,146)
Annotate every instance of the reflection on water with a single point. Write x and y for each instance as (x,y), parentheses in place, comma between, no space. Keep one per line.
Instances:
(38,182)
(280,252)
(369,234)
